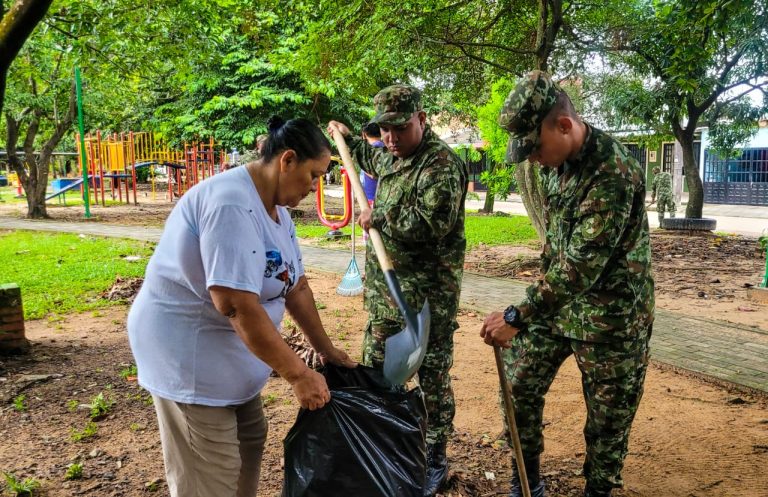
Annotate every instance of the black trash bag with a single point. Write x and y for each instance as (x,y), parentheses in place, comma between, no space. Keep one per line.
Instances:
(368,441)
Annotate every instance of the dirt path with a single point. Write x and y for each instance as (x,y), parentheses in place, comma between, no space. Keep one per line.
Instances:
(690,438)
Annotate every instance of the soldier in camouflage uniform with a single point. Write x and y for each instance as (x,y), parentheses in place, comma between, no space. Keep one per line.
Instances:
(419,211)
(662,193)
(595,296)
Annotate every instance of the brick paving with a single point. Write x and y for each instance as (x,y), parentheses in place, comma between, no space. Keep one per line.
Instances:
(733,353)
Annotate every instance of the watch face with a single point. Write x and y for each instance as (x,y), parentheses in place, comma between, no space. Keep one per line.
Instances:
(511,314)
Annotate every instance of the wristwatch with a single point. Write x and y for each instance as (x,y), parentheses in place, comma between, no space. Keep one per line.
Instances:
(512,317)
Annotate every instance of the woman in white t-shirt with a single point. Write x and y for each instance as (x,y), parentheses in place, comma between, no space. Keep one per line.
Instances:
(204,327)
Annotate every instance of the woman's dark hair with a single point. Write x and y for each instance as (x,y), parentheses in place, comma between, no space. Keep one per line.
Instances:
(299,135)
(372,130)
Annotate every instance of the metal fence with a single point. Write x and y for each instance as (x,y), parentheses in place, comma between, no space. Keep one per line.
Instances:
(741,180)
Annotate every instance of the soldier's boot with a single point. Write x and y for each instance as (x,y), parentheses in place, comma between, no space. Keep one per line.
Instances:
(591,491)
(437,468)
(535,484)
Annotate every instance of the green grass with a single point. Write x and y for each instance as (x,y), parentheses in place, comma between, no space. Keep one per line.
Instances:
(65,273)
(499,230)
(479,229)
(18,487)
(8,195)
(317,230)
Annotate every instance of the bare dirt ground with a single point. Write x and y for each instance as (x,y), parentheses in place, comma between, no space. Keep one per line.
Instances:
(690,438)
(701,275)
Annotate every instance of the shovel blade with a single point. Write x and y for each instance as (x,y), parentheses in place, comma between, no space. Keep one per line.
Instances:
(404,351)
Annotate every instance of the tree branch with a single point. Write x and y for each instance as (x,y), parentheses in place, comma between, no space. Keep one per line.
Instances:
(15,27)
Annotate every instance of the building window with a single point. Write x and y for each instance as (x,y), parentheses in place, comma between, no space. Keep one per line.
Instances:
(668,158)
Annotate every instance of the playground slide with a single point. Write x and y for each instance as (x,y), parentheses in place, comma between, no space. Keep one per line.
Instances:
(71,186)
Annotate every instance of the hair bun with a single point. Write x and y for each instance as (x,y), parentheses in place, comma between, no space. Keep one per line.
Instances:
(274,124)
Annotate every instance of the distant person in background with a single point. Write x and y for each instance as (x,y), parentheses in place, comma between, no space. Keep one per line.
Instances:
(261,140)
(662,193)
(371,134)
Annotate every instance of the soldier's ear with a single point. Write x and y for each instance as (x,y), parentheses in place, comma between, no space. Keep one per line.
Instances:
(564,124)
(422,118)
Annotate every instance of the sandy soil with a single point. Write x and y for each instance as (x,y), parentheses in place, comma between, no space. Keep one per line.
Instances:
(691,437)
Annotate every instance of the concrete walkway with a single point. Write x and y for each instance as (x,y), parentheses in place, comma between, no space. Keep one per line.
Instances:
(733,353)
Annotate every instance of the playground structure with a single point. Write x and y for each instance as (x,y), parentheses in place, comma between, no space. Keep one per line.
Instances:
(114,159)
(334,221)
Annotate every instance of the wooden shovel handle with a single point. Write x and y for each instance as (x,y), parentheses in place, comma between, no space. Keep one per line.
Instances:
(362,200)
(509,410)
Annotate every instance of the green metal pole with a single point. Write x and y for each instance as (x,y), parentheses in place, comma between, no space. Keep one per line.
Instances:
(83,159)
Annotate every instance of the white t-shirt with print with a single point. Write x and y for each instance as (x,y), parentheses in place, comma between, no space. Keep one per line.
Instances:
(219,234)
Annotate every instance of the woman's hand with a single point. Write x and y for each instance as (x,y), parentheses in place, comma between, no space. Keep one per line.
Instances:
(311,390)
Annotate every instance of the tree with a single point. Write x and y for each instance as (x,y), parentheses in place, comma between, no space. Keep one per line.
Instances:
(121,48)
(678,64)
(16,26)
(451,48)
(233,94)
(497,178)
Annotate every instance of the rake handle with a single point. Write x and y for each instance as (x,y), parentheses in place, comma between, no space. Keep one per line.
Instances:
(359,193)
(509,410)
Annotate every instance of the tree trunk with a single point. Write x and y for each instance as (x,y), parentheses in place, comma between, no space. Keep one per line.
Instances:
(695,206)
(33,171)
(489,200)
(526,174)
(36,189)
(532,195)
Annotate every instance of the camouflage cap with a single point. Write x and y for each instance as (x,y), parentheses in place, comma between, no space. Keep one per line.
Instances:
(524,110)
(396,104)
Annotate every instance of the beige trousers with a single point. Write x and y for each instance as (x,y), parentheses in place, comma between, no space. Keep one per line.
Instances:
(212,451)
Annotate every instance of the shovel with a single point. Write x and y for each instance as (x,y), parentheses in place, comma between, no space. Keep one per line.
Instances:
(404,351)
(509,411)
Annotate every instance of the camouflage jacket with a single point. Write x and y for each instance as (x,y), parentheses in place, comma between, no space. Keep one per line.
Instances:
(596,284)
(419,211)
(662,185)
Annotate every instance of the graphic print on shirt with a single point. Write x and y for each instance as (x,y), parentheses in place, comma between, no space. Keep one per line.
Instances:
(280,270)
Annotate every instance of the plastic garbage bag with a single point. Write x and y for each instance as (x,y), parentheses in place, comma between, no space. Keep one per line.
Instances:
(368,441)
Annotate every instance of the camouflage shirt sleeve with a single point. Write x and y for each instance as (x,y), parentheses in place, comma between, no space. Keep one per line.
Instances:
(598,224)
(366,156)
(435,210)
(655,185)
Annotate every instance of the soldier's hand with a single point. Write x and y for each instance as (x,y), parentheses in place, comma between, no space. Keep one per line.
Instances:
(337,357)
(496,331)
(365,219)
(340,127)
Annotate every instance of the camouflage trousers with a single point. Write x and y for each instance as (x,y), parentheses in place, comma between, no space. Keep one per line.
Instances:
(612,376)
(434,373)
(665,203)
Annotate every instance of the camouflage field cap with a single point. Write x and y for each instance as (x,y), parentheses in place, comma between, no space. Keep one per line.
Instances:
(524,110)
(396,104)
